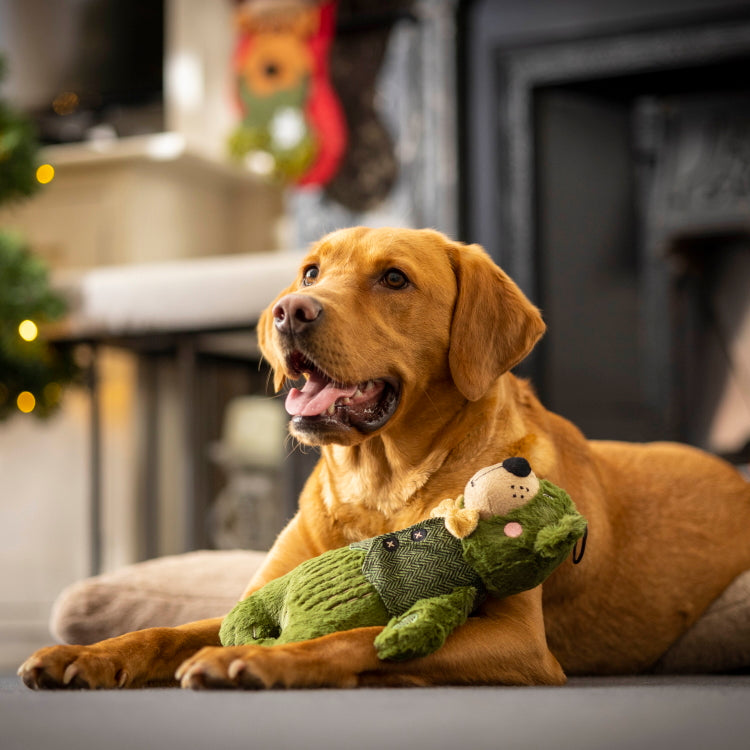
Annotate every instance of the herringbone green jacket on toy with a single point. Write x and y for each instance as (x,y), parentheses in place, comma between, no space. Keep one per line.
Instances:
(423,581)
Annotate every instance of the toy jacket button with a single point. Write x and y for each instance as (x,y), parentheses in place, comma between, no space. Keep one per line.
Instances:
(390,543)
(419,535)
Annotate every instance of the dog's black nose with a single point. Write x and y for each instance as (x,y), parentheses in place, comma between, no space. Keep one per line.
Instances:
(517,466)
(295,312)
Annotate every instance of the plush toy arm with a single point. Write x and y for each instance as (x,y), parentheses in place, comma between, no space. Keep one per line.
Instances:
(558,538)
(256,618)
(424,627)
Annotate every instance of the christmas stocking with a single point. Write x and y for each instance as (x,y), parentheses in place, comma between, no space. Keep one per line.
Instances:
(292,127)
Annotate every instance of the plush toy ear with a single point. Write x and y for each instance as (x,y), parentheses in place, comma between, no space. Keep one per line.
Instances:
(494,325)
(458,520)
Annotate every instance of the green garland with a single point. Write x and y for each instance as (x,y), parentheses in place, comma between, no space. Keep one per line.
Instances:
(32,372)
(18,153)
(33,368)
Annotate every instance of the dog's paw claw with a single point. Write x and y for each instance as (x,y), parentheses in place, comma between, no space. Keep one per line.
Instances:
(193,678)
(30,671)
(236,670)
(70,673)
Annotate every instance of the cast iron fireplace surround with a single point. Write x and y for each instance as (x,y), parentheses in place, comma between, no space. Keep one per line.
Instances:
(607,169)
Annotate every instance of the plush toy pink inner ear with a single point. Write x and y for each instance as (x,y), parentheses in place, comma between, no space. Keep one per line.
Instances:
(513,529)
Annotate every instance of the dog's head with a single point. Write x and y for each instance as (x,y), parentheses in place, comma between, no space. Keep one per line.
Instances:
(383,322)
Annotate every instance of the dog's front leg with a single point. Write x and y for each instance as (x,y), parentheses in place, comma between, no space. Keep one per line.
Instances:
(137,659)
(504,645)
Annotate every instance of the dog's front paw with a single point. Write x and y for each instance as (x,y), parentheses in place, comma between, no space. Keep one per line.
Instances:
(219,668)
(72,667)
(291,665)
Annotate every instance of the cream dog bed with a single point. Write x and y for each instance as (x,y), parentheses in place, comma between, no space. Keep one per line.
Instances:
(174,590)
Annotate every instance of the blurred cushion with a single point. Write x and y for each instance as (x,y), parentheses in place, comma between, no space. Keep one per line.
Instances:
(166,591)
(720,640)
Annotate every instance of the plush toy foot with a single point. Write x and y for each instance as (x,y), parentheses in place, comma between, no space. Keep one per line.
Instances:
(424,627)
(251,621)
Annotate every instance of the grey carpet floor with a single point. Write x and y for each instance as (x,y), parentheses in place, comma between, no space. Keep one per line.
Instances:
(684,713)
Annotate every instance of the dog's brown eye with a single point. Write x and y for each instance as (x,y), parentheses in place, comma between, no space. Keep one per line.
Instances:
(394,279)
(311,273)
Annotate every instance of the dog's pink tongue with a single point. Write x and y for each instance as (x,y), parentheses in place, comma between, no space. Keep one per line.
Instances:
(316,397)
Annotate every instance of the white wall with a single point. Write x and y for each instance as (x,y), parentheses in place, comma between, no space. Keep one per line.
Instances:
(45,533)
(43,517)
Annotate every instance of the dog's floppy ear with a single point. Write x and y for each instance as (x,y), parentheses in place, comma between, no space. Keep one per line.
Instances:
(265,331)
(494,324)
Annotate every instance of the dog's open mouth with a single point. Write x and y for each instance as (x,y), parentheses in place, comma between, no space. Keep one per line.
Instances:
(322,401)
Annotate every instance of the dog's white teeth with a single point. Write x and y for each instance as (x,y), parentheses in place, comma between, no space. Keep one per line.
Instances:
(369,385)
(344,401)
(358,393)
(331,410)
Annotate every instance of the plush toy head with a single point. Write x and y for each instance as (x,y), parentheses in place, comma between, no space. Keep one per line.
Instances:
(506,534)
(515,528)
(493,491)
(496,490)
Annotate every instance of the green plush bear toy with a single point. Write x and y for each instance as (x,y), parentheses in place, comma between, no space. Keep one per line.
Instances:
(505,534)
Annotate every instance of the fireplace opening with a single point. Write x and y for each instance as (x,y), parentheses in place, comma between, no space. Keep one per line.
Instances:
(712,300)
(641,262)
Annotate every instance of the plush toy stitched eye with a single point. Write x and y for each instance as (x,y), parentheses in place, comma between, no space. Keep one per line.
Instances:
(311,273)
(394,279)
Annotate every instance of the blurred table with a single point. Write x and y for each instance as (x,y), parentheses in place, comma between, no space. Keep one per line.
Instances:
(186,310)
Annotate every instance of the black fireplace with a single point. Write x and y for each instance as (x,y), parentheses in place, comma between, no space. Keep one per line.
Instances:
(607,169)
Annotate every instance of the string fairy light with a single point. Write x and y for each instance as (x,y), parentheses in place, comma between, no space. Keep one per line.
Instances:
(26,402)
(28,330)
(45,173)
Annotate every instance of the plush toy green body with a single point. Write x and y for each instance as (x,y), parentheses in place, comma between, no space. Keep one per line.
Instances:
(423,581)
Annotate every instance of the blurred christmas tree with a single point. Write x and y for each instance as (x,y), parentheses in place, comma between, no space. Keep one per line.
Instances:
(32,372)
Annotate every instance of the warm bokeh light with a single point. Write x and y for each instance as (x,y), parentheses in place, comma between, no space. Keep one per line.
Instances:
(65,103)
(26,402)
(260,162)
(28,330)
(45,173)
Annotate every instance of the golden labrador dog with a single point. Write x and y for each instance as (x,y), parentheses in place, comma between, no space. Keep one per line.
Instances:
(405,341)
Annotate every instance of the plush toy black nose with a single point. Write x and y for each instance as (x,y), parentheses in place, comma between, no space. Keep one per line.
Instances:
(517,466)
